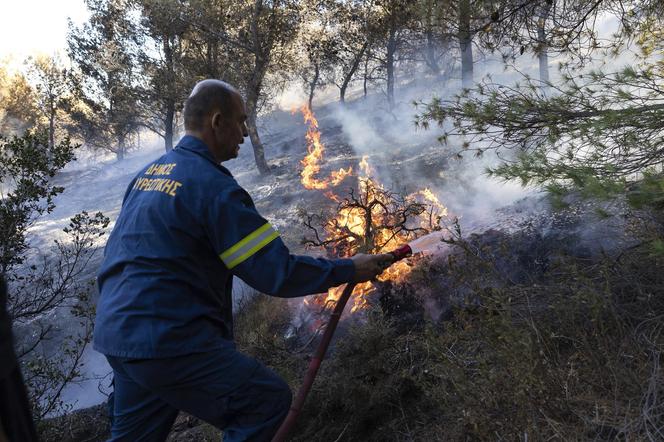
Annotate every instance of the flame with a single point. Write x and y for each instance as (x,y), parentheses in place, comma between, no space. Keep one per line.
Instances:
(364,165)
(311,161)
(429,196)
(437,210)
(362,232)
(383,240)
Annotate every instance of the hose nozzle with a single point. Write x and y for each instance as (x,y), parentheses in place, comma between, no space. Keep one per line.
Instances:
(402,252)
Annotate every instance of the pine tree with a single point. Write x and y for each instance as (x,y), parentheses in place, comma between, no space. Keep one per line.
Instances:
(596,131)
(104,51)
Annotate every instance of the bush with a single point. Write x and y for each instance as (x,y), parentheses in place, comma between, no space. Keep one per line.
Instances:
(41,287)
(261,327)
(573,353)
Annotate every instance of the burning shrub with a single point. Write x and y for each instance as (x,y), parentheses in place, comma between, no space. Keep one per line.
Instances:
(371,219)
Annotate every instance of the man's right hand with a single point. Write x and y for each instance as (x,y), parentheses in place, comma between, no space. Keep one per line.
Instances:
(367,267)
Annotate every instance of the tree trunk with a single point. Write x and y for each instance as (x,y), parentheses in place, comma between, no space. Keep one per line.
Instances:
(169,113)
(313,83)
(432,63)
(430,49)
(253,93)
(366,77)
(465,44)
(168,125)
(391,50)
(51,129)
(542,45)
(349,75)
(120,152)
(211,57)
(259,150)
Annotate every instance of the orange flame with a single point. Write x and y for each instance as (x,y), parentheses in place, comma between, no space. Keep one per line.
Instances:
(351,222)
(311,161)
(437,208)
(364,165)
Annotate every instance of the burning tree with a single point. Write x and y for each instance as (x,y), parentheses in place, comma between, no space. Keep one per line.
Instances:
(368,219)
(373,220)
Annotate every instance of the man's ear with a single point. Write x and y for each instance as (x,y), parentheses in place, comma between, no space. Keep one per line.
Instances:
(216,120)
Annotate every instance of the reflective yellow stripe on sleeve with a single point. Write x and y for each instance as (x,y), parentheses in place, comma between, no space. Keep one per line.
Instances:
(249,245)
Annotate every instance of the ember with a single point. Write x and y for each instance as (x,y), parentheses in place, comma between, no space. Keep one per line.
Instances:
(370,219)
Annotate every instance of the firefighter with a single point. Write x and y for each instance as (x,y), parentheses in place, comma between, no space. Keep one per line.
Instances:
(164,315)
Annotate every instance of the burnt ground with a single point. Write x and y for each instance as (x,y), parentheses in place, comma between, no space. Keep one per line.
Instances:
(525,253)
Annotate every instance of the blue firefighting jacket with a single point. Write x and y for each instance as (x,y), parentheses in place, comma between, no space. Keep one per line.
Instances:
(186,226)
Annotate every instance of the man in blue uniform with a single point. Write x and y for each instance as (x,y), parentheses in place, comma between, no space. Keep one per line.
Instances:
(164,316)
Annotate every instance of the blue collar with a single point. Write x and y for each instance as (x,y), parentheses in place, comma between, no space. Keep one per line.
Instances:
(197,146)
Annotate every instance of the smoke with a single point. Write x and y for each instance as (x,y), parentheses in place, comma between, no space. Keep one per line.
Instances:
(95,386)
(474,197)
(406,158)
(292,97)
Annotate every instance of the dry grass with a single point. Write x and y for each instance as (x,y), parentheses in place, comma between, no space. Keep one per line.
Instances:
(574,353)
(567,351)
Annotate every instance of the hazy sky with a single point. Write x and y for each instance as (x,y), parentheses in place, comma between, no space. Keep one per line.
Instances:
(36,26)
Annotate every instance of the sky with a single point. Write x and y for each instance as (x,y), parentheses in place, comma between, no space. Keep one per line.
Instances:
(30,27)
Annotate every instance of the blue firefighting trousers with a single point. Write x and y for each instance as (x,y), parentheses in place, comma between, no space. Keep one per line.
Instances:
(223,387)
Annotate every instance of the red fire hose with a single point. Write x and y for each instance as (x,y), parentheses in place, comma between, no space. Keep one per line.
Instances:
(314,364)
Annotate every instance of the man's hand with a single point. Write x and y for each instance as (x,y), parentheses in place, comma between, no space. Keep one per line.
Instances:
(369,266)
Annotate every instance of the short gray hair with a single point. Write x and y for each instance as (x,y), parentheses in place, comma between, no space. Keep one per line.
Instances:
(206,97)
